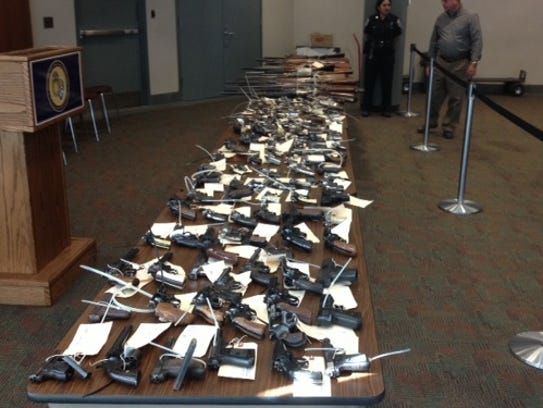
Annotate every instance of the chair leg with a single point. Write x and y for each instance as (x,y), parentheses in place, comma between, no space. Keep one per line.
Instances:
(93,118)
(71,126)
(104,111)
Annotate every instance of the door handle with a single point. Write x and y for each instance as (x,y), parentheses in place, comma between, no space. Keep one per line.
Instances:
(108,32)
(227,32)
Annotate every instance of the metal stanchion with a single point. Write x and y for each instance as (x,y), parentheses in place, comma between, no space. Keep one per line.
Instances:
(425,146)
(408,113)
(458,205)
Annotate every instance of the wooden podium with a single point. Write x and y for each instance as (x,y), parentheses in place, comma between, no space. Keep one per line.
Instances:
(39,259)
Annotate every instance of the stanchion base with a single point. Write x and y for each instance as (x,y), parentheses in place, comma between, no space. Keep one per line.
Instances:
(425,147)
(528,347)
(408,114)
(465,207)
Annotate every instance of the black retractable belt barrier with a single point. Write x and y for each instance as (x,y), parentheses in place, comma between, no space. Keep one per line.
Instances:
(458,205)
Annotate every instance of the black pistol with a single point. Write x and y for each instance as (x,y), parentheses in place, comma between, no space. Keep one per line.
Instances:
(220,354)
(330,314)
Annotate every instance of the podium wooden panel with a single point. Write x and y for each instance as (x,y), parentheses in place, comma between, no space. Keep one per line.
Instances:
(38,258)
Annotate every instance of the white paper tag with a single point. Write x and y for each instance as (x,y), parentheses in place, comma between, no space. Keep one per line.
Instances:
(89,339)
(204,334)
(266,230)
(243,373)
(339,336)
(162,229)
(309,234)
(306,388)
(145,333)
(358,202)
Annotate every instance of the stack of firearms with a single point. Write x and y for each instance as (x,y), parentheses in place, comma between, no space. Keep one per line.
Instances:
(298,76)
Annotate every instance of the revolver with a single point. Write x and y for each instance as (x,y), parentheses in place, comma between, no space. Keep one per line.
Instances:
(293,368)
(122,366)
(243,317)
(295,237)
(294,278)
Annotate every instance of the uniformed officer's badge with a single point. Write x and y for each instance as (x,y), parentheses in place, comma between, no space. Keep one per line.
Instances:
(58,86)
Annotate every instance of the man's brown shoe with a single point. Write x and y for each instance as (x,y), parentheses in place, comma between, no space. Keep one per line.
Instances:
(421,129)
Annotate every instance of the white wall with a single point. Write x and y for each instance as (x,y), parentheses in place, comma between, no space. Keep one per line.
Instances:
(63,31)
(512,31)
(162,46)
(342,18)
(277,28)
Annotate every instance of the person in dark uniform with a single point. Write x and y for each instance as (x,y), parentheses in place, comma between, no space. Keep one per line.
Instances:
(381,31)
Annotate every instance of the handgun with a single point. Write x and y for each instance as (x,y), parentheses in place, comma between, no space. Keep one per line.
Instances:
(330,270)
(220,354)
(243,317)
(329,314)
(294,278)
(121,365)
(294,368)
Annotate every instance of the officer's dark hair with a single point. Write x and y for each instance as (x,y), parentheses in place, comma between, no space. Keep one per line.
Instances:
(378,4)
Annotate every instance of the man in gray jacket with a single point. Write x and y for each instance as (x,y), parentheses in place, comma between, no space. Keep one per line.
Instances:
(456,44)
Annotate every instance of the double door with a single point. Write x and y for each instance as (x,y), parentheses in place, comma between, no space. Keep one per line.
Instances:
(216,40)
